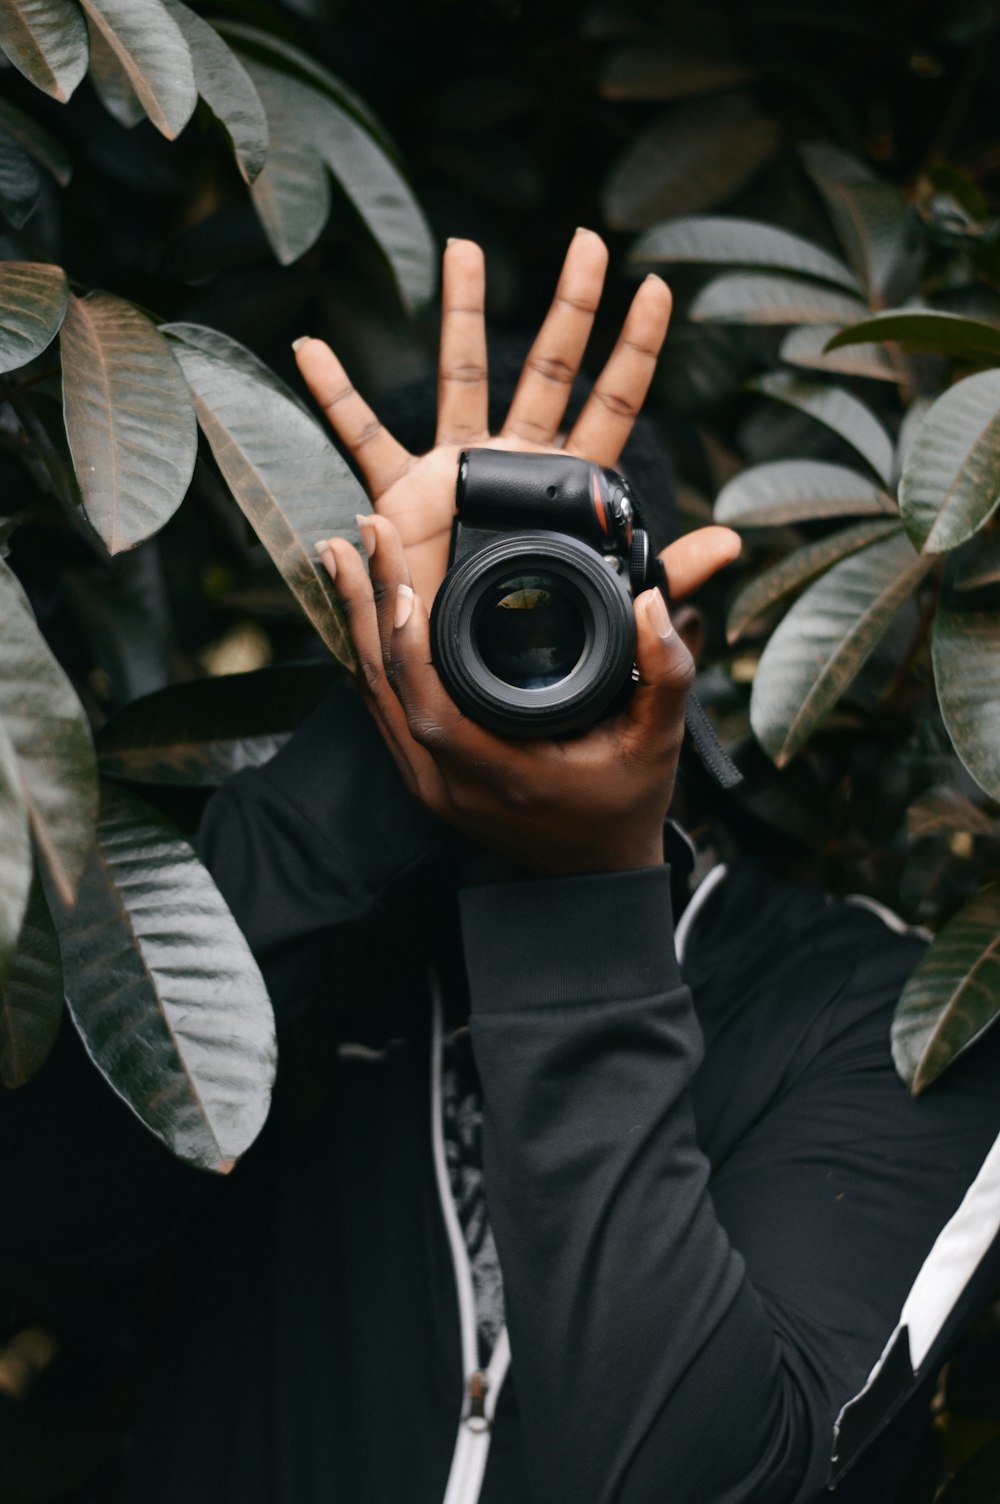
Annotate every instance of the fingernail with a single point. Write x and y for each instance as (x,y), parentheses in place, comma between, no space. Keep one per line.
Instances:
(659,620)
(452,240)
(321,545)
(404,605)
(303,339)
(367,532)
(329,562)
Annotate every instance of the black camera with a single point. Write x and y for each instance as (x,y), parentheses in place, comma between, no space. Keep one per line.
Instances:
(532,631)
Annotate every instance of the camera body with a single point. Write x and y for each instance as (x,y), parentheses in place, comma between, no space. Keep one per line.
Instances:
(532,631)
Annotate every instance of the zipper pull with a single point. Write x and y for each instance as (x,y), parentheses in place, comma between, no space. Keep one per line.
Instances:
(476,1418)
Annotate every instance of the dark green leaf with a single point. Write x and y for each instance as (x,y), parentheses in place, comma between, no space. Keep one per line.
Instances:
(758,298)
(688,160)
(943,808)
(47,41)
(51,737)
(226,88)
(838,410)
(950,483)
(808,346)
(151,49)
(15,853)
(129,420)
(980,564)
(926,329)
(18,182)
(719,239)
(111,82)
(292,192)
(38,143)
(823,641)
(954,994)
(872,219)
(163,989)
(33,299)
(966,652)
(41,419)
(670,71)
(788,576)
(31,998)
(798,491)
(279,464)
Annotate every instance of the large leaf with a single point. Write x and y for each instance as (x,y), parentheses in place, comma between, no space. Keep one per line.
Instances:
(926,329)
(31,997)
(33,300)
(112,84)
(151,49)
(129,419)
(798,491)
(292,193)
(689,159)
(19,185)
(226,88)
(37,142)
(279,464)
(164,991)
(47,41)
(788,576)
(966,653)
(51,737)
(953,996)
(836,409)
(809,346)
(15,852)
(723,240)
(759,298)
(201,733)
(871,217)
(950,483)
(823,641)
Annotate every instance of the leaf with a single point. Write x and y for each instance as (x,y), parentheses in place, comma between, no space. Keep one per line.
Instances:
(111,82)
(786,577)
(227,89)
(292,193)
(19,186)
(953,995)
(926,329)
(688,160)
(199,734)
(872,220)
(739,242)
(47,41)
(943,808)
(965,647)
(668,71)
(980,565)
(950,483)
(282,469)
(821,644)
(31,998)
(758,298)
(129,420)
(838,410)
(15,853)
(38,143)
(50,735)
(163,990)
(798,491)
(809,346)
(151,49)
(33,301)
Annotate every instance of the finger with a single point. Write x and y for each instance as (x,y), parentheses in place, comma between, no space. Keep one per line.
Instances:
(693,559)
(554,359)
(388,569)
(380,458)
(606,421)
(433,718)
(654,719)
(463,391)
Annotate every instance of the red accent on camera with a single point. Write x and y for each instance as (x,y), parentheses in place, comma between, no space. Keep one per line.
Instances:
(602,515)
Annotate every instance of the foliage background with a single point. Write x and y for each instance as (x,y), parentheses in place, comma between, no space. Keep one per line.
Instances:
(514,123)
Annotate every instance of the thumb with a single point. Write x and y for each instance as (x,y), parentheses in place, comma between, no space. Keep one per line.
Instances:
(666,673)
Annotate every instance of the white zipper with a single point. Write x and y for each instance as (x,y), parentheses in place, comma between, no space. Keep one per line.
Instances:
(482,1386)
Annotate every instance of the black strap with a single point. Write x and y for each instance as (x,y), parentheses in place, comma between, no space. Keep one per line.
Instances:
(699,727)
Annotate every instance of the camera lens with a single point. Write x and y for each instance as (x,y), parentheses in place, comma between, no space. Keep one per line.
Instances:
(529,630)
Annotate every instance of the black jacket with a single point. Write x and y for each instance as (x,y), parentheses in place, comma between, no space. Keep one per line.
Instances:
(715,1205)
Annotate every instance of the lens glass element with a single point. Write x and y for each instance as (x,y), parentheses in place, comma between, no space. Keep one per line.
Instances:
(529,629)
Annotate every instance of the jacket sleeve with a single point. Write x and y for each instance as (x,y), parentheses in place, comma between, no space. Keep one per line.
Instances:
(674,1338)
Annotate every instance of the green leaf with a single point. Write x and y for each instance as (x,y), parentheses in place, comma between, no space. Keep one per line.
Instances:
(47,41)
(739,242)
(31,998)
(798,491)
(164,991)
(979,565)
(151,49)
(111,82)
(15,853)
(943,808)
(33,301)
(823,641)
(788,576)
(836,409)
(809,346)
(758,298)
(953,996)
(226,88)
(669,71)
(950,483)
(966,653)
(926,329)
(872,219)
(51,737)
(19,184)
(690,159)
(289,480)
(129,420)
(38,143)
(292,193)
(199,734)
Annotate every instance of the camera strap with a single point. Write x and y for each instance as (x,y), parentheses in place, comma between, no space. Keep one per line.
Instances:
(699,728)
